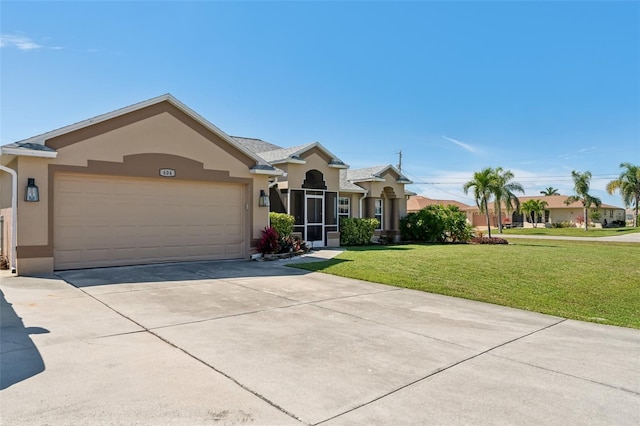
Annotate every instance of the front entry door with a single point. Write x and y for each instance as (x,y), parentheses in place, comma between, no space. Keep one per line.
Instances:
(315,220)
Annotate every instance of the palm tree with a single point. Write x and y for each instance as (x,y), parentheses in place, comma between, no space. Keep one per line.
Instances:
(504,191)
(581,183)
(527,208)
(533,208)
(550,191)
(484,185)
(629,186)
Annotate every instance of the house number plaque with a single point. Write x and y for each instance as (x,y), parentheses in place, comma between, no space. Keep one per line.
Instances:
(167,172)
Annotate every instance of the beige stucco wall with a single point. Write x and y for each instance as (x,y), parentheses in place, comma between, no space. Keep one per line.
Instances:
(314,160)
(571,215)
(395,202)
(33,224)
(354,203)
(163,133)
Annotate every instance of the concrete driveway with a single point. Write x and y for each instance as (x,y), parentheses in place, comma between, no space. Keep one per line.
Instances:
(259,343)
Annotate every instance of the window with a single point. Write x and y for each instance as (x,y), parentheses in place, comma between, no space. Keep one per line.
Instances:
(378,213)
(344,207)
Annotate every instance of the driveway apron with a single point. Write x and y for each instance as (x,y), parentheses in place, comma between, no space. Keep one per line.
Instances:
(238,342)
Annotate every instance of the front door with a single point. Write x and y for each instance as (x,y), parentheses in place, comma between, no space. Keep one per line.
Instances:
(315,219)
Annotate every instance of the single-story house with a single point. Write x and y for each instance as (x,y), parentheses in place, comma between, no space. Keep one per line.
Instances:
(556,211)
(156,182)
(415,203)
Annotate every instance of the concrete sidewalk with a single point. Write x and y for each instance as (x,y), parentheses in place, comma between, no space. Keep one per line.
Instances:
(260,343)
(626,238)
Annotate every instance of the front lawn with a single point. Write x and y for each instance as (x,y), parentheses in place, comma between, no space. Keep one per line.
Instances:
(583,280)
(568,232)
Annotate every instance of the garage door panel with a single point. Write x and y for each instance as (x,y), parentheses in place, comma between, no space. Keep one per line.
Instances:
(107,221)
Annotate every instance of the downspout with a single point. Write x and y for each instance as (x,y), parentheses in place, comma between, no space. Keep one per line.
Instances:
(14,215)
(360,204)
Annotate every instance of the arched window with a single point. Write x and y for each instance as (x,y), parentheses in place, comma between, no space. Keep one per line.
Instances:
(314,179)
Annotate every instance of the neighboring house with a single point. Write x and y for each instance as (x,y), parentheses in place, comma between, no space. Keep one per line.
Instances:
(156,182)
(317,188)
(415,203)
(556,211)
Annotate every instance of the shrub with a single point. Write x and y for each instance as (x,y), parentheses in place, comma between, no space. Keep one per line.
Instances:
(487,240)
(269,241)
(357,231)
(436,224)
(563,224)
(282,223)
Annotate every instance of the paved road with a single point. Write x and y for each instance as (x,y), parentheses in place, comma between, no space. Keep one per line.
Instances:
(627,238)
(259,343)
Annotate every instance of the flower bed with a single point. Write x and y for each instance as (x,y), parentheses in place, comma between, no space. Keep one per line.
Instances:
(487,240)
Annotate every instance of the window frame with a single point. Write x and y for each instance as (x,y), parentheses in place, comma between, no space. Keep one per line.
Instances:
(378,213)
(343,206)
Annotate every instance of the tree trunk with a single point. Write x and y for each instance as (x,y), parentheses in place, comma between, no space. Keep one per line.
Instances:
(586,219)
(635,218)
(486,211)
(533,218)
(500,220)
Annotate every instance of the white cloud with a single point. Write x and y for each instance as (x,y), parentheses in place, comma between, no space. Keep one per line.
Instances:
(461,144)
(22,43)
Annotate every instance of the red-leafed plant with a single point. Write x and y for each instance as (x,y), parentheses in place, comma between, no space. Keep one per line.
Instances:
(269,241)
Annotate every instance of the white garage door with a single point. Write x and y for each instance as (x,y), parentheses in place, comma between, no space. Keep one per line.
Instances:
(108,221)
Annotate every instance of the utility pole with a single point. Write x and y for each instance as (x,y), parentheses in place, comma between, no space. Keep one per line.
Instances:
(400,161)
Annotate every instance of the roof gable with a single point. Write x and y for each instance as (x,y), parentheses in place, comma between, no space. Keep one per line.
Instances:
(375,174)
(73,133)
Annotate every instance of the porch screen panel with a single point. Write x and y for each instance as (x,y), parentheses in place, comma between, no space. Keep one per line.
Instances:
(297,210)
(331,208)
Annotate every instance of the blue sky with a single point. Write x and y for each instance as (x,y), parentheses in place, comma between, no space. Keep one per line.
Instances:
(540,88)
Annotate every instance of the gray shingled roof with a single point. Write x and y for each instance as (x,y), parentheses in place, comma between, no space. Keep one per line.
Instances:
(347,186)
(29,145)
(365,173)
(373,172)
(256,145)
(283,153)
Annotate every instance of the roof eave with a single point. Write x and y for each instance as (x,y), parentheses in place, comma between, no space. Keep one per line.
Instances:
(266,170)
(338,166)
(28,152)
(288,161)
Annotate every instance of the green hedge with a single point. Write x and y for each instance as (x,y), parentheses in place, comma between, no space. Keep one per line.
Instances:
(282,223)
(436,224)
(357,231)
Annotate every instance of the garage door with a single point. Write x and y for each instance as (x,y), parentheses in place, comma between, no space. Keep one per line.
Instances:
(109,221)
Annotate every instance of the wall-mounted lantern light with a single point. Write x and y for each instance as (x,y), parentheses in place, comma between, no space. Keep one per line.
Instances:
(31,192)
(263,201)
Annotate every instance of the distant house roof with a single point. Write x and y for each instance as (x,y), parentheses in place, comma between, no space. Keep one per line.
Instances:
(418,202)
(553,202)
(374,174)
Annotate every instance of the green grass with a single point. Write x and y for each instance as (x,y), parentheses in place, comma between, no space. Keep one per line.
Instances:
(583,280)
(567,232)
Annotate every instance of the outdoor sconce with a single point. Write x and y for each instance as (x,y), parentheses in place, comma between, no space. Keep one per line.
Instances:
(31,192)
(263,201)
